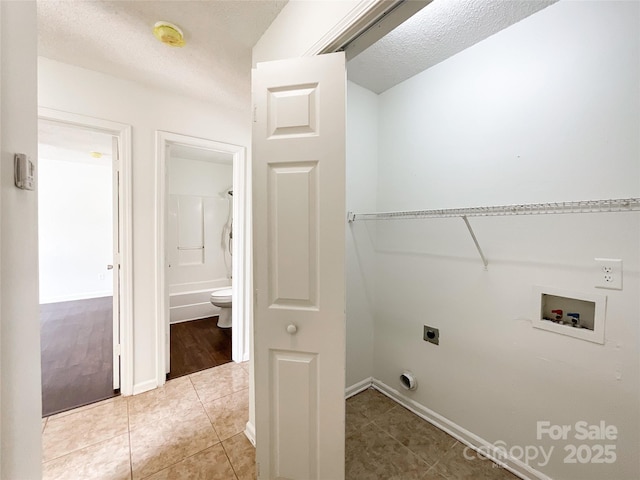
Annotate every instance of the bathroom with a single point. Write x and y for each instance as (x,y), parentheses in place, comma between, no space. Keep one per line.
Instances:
(199,255)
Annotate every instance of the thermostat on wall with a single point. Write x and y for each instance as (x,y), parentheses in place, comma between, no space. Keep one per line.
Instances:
(24,172)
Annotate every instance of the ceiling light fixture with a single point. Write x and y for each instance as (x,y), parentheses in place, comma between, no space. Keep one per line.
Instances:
(95,154)
(169,33)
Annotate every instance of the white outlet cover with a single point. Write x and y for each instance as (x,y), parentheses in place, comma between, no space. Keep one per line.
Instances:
(608,273)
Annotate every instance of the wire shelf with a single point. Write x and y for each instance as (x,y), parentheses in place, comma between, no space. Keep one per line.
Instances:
(584,206)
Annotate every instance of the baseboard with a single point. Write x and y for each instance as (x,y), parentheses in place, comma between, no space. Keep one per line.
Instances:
(250,433)
(470,439)
(185,313)
(173,322)
(144,386)
(461,434)
(356,388)
(78,296)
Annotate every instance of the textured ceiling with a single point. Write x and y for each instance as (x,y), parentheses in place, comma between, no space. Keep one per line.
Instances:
(115,37)
(437,32)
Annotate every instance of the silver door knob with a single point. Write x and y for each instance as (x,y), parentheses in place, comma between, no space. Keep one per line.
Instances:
(109,267)
(291,329)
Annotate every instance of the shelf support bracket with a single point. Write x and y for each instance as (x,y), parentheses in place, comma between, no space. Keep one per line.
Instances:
(475,240)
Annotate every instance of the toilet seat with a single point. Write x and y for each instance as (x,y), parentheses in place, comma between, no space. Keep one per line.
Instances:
(221,296)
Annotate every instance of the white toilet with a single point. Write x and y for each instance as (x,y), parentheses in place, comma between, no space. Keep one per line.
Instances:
(222,298)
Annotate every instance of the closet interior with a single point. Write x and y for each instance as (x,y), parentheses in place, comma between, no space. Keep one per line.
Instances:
(493,199)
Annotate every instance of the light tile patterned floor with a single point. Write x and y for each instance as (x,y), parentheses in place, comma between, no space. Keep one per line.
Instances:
(189,429)
(192,429)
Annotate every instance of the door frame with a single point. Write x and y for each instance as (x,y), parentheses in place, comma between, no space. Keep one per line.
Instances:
(241,266)
(123,133)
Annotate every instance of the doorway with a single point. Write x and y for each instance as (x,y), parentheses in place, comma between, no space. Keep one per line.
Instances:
(79,293)
(201,248)
(199,232)
(84,259)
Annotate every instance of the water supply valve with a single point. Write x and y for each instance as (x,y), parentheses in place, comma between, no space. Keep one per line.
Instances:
(575,319)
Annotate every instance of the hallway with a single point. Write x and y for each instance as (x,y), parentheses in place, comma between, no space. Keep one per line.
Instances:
(192,427)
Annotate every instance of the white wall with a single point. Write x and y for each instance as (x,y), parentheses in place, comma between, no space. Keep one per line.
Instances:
(75,229)
(204,180)
(546,110)
(73,89)
(299,26)
(362,180)
(199,177)
(21,406)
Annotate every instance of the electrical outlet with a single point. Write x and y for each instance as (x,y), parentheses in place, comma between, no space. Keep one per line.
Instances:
(609,273)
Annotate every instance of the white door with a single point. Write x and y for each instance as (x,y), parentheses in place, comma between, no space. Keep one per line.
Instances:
(115,156)
(299,225)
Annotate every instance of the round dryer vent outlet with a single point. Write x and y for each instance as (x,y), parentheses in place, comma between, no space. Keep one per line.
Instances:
(408,382)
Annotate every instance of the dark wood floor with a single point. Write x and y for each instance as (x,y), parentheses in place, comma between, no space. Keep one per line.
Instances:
(77,353)
(197,345)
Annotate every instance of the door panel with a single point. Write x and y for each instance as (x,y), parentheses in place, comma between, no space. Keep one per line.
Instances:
(299,224)
(293,255)
(295,413)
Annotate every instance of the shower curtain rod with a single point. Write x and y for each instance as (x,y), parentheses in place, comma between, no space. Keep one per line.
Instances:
(584,206)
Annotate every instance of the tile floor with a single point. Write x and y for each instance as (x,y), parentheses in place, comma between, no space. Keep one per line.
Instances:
(386,441)
(192,429)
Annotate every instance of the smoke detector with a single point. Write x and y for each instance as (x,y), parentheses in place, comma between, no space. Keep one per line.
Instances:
(169,33)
